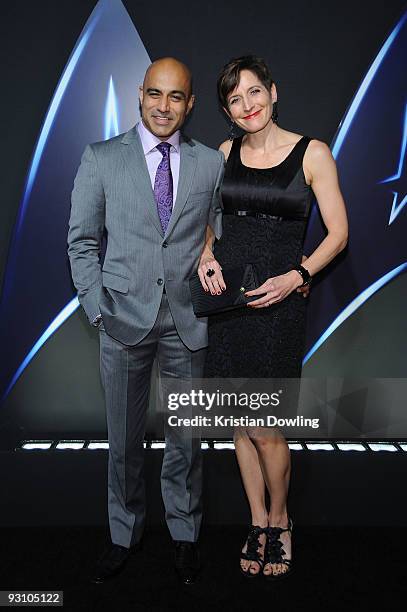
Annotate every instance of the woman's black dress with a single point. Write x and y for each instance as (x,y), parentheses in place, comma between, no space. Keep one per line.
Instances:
(264,342)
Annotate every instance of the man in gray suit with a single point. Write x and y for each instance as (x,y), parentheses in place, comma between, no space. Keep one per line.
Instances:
(155,193)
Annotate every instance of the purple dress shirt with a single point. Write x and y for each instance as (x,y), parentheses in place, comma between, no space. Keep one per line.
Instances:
(153,156)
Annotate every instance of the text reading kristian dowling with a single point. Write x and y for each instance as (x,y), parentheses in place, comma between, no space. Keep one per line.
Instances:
(218,401)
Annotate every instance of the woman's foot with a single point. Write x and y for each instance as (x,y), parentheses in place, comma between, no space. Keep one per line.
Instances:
(278,555)
(252,555)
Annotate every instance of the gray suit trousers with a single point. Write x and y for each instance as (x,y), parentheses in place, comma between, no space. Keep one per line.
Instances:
(125,373)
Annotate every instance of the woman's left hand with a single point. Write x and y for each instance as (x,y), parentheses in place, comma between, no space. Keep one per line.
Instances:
(275,289)
(305,289)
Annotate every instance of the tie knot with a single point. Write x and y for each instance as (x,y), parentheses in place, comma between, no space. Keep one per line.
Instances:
(164,148)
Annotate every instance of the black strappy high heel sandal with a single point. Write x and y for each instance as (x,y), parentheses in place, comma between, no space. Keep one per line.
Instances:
(274,551)
(252,553)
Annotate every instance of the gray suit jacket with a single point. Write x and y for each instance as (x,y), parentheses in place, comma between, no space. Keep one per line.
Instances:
(113,191)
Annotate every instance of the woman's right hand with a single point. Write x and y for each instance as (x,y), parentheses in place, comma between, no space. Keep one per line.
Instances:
(214,283)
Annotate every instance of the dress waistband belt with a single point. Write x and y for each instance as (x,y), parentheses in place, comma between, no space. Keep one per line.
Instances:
(253,213)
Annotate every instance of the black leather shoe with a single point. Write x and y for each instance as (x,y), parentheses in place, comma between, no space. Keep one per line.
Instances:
(186,561)
(112,562)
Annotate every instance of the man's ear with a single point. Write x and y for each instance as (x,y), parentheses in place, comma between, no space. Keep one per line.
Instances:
(140,93)
(190,103)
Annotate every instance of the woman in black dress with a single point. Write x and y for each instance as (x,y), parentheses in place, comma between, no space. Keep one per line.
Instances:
(270,178)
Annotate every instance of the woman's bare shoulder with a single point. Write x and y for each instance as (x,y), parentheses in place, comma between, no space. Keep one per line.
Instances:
(225,147)
(317,151)
(318,160)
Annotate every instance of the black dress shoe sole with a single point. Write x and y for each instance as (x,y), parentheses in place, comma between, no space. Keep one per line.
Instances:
(100,580)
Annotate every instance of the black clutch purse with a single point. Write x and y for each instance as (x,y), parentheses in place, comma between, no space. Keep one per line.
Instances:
(238,280)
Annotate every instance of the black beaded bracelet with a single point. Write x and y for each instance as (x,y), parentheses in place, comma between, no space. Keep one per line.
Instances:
(306,276)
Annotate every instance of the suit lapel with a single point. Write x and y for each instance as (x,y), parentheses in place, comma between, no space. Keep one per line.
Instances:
(187,167)
(134,157)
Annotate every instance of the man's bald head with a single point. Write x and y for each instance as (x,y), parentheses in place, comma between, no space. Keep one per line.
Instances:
(166,96)
(169,64)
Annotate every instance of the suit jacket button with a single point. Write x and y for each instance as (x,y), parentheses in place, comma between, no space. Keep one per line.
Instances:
(160,281)
(165,244)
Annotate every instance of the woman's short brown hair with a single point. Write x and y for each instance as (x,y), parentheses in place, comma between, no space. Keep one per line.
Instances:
(230,75)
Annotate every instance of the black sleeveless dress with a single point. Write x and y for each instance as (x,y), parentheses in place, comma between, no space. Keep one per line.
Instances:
(264,342)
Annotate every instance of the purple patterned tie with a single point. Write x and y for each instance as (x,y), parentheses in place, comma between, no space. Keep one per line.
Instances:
(163,186)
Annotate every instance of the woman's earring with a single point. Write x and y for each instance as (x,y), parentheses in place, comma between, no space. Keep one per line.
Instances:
(274,113)
(232,131)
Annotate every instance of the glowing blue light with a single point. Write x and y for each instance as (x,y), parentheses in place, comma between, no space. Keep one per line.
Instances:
(353,306)
(111,129)
(56,323)
(107,13)
(346,123)
(52,111)
(42,140)
(402,152)
(111,113)
(337,144)
(397,208)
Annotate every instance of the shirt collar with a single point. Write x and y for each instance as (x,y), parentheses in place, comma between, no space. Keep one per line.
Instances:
(149,141)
